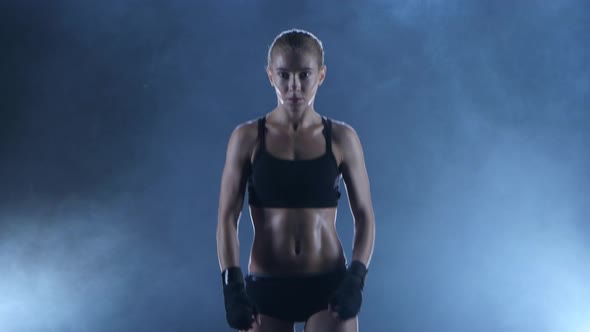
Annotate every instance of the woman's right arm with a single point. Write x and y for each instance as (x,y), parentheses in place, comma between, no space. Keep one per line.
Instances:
(240,311)
(231,197)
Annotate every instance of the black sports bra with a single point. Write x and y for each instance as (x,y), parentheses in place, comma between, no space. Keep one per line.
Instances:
(302,183)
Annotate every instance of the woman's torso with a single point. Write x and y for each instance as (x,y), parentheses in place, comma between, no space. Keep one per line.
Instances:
(288,242)
(303,239)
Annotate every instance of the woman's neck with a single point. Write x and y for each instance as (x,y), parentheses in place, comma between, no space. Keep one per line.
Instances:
(295,120)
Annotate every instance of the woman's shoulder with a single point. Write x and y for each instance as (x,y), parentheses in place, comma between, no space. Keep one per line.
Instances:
(246,133)
(247,126)
(341,130)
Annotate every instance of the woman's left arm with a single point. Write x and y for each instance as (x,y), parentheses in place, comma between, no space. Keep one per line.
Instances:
(356,180)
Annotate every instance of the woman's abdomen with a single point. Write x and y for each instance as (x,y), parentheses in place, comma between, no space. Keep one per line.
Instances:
(294,241)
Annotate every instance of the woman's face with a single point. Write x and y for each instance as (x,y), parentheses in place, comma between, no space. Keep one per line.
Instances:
(295,75)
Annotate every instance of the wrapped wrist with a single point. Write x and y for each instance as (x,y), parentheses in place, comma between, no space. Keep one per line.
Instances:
(358,270)
(232,275)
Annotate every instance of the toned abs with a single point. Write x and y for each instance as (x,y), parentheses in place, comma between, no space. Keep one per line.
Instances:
(293,241)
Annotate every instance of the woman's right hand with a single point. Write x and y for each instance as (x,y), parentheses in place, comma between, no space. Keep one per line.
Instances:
(240,310)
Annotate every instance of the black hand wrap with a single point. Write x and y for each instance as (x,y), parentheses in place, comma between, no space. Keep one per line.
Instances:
(348,297)
(239,309)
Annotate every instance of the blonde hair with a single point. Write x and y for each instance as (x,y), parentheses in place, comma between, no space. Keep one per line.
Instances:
(297,39)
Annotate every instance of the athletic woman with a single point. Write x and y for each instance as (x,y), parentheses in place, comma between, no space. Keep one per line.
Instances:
(290,161)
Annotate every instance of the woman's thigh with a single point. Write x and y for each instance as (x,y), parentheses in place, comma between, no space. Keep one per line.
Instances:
(270,324)
(323,321)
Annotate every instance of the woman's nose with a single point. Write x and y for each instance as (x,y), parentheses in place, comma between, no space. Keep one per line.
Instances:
(294,83)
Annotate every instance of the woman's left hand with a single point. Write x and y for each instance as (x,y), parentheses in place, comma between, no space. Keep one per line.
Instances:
(346,301)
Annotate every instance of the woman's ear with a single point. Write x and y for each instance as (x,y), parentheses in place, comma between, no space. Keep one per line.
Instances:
(323,74)
(269,74)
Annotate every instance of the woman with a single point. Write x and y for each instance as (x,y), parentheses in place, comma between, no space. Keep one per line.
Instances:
(290,161)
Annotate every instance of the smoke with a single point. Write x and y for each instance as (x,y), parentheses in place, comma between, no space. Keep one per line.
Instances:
(66,271)
(474,122)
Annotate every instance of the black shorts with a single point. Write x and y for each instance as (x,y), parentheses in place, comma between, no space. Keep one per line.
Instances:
(293,298)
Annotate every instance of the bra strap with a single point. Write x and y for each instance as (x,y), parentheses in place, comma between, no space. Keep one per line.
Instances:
(261,122)
(327,133)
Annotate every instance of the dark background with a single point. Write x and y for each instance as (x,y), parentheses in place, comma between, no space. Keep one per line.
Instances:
(474,117)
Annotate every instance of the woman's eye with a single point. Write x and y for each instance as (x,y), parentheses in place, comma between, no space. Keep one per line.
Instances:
(305,74)
(283,75)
